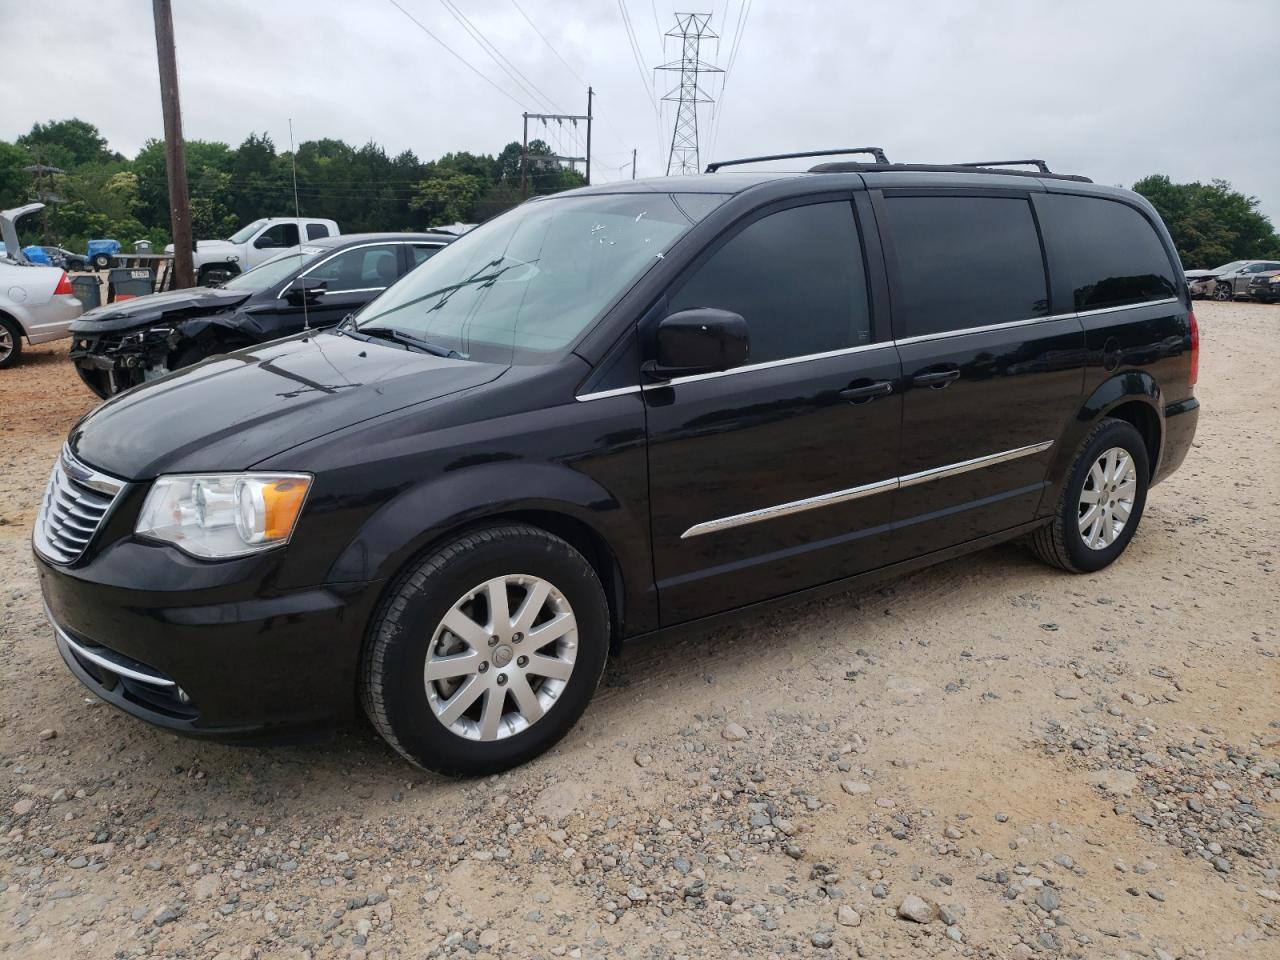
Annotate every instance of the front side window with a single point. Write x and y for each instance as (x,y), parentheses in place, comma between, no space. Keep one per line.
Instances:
(361,268)
(522,287)
(280,235)
(1107,252)
(965,262)
(797,278)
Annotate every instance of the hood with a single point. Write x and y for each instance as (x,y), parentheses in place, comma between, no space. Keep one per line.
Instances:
(9,229)
(170,306)
(231,412)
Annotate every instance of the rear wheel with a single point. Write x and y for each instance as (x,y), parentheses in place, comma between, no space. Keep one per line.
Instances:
(485,653)
(101,261)
(10,343)
(1101,503)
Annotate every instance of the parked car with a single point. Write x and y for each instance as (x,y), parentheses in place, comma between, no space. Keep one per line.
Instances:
(217,260)
(36,302)
(101,254)
(611,412)
(1202,282)
(123,344)
(1264,285)
(1231,280)
(66,259)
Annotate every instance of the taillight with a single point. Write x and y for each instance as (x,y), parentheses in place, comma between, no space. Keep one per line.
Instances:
(64,286)
(1195,347)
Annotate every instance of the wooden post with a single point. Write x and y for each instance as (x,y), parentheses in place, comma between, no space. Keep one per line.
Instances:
(175,153)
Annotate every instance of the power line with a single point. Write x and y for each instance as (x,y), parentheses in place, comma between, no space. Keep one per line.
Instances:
(635,51)
(744,11)
(457,56)
(575,73)
(497,57)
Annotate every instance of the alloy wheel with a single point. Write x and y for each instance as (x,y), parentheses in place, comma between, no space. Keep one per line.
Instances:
(1106,501)
(501,657)
(6,344)
(1222,292)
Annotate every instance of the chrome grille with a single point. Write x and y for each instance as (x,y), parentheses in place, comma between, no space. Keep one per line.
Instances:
(76,501)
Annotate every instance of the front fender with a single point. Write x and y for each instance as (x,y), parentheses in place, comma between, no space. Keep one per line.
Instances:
(1123,388)
(427,513)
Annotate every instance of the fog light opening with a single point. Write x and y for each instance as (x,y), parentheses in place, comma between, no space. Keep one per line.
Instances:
(183,697)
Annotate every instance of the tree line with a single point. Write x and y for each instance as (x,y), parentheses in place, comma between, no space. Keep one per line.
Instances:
(100,193)
(95,192)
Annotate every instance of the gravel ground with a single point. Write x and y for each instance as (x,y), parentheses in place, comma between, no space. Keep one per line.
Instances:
(984,759)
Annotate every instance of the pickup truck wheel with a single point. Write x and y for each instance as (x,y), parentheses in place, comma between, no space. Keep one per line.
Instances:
(1101,503)
(10,342)
(485,653)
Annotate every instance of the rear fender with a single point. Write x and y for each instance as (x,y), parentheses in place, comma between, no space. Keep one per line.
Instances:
(1126,387)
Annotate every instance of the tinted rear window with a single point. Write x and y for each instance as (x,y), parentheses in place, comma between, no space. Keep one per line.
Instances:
(1104,253)
(965,262)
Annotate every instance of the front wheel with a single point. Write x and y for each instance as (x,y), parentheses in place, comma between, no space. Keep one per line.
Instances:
(1101,503)
(101,261)
(1222,291)
(485,653)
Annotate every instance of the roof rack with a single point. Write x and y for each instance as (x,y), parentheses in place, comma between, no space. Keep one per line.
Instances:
(1038,164)
(853,166)
(877,152)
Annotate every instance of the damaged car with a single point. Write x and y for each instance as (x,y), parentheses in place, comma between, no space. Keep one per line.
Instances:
(123,344)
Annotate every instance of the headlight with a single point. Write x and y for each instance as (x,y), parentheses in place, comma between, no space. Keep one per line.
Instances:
(223,515)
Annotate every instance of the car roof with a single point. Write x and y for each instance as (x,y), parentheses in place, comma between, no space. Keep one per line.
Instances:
(345,238)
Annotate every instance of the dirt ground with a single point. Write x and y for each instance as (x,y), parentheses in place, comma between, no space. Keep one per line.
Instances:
(987,759)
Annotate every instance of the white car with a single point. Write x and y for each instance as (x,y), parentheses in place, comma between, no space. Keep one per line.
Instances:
(36,302)
(218,260)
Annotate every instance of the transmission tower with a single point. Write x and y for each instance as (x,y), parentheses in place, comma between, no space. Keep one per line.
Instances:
(690,29)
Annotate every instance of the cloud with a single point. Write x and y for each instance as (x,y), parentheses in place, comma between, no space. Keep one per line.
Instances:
(1113,90)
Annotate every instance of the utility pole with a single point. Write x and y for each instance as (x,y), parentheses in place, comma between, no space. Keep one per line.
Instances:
(175,153)
(524,162)
(589,95)
(554,158)
(690,29)
(633,163)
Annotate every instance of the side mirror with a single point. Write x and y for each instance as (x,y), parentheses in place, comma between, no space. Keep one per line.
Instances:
(704,340)
(305,290)
(265,242)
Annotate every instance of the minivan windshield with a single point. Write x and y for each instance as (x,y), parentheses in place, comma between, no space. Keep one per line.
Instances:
(244,233)
(523,286)
(270,272)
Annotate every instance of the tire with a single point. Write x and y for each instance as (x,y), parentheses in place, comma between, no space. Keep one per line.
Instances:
(1062,543)
(190,354)
(1222,292)
(101,261)
(10,342)
(420,718)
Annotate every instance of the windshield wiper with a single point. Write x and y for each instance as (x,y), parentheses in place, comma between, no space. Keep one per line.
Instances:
(408,339)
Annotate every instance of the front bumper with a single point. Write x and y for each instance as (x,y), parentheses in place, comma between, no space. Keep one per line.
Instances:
(201,652)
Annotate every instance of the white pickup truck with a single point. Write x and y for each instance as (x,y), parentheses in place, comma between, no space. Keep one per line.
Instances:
(216,260)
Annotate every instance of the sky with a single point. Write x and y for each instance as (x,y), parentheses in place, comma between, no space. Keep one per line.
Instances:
(1112,89)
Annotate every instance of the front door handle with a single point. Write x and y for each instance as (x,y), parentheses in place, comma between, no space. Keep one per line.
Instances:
(936,378)
(866,391)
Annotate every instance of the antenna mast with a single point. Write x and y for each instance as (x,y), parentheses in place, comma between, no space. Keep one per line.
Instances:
(297,216)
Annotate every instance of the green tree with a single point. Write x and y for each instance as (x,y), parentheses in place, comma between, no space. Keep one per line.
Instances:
(15,183)
(1211,224)
(67,143)
(448,198)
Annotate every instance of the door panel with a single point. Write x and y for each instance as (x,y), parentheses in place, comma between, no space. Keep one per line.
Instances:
(1015,391)
(770,438)
(779,475)
(989,378)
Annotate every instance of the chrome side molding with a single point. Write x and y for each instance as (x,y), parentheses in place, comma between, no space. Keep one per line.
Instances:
(866,490)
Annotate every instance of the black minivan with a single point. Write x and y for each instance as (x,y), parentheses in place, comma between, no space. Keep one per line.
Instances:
(607,413)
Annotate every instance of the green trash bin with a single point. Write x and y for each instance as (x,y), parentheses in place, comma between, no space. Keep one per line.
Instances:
(87,290)
(125,284)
